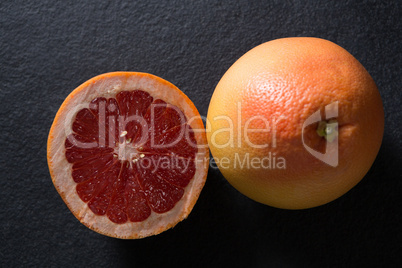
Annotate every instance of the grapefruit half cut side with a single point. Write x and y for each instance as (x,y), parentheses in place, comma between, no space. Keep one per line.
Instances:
(128,154)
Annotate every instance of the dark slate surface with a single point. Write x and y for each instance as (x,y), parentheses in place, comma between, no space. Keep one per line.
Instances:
(47,48)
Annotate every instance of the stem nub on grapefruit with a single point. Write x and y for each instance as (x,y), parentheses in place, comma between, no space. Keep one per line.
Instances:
(127,152)
(295,123)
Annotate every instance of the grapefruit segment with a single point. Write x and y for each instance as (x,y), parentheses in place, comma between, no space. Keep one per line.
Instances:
(123,154)
(86,125)
(137,207)
(178,174)
(133,102)
(161,195)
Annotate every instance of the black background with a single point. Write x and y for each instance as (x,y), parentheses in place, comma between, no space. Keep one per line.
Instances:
(48,48)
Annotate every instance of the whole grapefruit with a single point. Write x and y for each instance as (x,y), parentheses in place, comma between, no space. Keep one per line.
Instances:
(295,123)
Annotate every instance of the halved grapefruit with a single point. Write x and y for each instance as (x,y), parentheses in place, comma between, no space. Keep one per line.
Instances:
(128,154)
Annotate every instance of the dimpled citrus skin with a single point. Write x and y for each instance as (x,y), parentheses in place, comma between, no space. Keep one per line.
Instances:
(285,81)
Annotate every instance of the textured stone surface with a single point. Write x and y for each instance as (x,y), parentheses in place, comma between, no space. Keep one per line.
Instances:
(47,48)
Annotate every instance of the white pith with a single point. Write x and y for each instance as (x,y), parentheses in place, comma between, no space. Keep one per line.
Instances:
(127,151)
